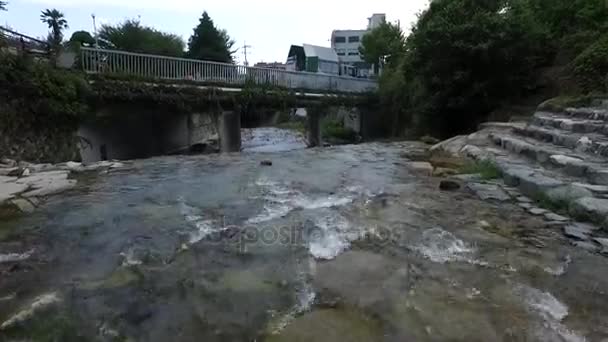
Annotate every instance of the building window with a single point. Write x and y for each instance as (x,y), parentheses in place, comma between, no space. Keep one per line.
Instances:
(353,54)
(340,40)
(341,54)
(353,39)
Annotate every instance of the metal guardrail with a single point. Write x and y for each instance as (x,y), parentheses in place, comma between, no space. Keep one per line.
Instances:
(24,43)
(100,61)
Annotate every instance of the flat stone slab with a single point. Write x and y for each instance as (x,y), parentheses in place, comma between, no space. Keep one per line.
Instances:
(529,181)
(555,217)
(600,189)
(52,188)
(24,205)
(603,242)
(579,231)
(9,190)
(537,211)
(523,199)
(586,245)
(489,191)
(421,167)
(595,208)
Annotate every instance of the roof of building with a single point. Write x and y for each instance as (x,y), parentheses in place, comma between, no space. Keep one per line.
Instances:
(324,53)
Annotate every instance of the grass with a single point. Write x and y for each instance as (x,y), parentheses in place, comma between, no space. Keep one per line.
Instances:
(545,202)
(487,169)
(336,130)
(293,125)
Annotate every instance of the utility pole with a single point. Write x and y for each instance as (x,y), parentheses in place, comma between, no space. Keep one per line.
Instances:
(245,47)
(95,31)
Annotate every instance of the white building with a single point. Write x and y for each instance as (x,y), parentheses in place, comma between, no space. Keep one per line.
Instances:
(346,43)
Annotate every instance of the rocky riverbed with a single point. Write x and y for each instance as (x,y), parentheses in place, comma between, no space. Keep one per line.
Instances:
(348,243)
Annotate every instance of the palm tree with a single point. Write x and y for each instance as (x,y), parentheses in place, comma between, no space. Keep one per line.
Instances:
(3,5)
(57,23)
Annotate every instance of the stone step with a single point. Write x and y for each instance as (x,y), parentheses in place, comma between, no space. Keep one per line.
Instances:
(546,119)
(589,169)
(588,113)
(591,143)
(580,200)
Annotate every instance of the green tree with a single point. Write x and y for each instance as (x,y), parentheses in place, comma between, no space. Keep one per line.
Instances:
(134,37)
(462,60)
(57,23)
(80,38)
(209,43)
(385,42)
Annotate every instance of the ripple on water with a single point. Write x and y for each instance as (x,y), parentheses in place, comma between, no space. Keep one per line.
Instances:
(12,257)
(551,311)
(441,246)
(281,200)
(333,236)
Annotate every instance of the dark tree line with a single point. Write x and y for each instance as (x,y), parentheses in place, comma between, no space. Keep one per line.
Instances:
(465,58)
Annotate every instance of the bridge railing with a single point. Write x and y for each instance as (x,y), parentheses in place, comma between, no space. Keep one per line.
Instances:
(100,61)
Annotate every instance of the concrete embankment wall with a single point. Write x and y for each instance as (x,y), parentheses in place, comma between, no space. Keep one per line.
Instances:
(127,133)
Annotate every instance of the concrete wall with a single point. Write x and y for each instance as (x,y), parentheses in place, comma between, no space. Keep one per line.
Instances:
(123,133)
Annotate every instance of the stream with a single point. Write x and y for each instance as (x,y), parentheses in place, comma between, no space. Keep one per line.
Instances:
(341,243)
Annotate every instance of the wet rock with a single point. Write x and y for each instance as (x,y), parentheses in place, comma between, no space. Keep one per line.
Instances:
(37,305)
(474,177)
(555,217)
(443,172)
(424,168)
(266,163)
(593,208)
(601,189)
(572,166)
(588,246)
(24,205)
(8,162)
(7,171)
(489,191)
(451,146)
(579,231)
(330,325)
(427,139)
(523,199)
(537,211)
(568,193)
(528,180)
(603,242)
(449,185)
(16,172)
(526,206)
(9,190)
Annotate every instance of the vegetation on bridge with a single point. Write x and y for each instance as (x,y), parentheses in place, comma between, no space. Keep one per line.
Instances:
(40,110)
(465,59)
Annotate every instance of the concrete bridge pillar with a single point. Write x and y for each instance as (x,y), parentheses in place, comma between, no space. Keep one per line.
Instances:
(230,131)
(313,123)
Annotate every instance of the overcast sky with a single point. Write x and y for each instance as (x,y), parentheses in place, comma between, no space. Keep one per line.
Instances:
(269,26)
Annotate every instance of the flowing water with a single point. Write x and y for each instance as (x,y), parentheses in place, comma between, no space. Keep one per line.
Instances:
(332,244)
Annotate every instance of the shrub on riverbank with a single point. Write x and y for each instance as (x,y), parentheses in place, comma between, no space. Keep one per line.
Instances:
(40,110)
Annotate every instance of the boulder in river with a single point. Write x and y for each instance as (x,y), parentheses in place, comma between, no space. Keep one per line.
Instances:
(449,185)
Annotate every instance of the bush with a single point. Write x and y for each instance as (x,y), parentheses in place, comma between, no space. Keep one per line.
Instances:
(40,109)
(591,66)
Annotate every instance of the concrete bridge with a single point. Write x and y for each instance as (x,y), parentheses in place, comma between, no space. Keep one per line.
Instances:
(132,128)
(97,61)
